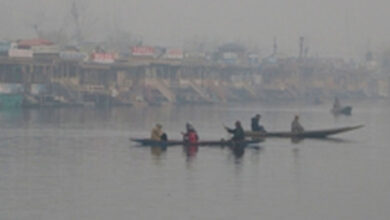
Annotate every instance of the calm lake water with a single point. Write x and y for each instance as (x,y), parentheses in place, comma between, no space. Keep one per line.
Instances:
(79,164)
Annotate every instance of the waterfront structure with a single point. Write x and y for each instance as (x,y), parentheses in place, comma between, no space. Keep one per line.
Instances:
(70,77)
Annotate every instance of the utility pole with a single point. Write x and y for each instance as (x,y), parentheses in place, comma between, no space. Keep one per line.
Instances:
(301,46)
(76,18)
(275,47)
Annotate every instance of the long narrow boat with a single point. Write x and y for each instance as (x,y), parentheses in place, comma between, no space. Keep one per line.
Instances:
(346,110)
(150,142)
(306,134)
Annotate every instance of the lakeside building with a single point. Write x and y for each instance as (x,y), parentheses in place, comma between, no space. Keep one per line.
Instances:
(40,73)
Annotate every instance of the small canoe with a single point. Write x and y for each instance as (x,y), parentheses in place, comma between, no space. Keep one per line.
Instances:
(347,110)
(149,142)
(306,134)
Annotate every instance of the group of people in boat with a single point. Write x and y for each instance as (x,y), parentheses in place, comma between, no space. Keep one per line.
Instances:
(296,126)
(191,136)
(239,133)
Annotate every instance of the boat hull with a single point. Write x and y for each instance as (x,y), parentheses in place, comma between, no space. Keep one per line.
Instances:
(347,110)
(149,142)
(306,134)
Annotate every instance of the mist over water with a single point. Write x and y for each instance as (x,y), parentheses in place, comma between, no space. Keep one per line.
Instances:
(78,163)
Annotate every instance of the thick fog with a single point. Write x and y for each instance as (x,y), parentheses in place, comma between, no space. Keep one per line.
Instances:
(331,27)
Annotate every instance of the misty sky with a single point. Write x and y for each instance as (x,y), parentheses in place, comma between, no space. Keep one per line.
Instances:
(331,27)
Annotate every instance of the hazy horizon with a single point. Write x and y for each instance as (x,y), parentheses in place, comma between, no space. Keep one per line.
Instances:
(331,28)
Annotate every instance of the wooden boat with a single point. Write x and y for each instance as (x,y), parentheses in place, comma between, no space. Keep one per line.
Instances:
(150,142)
(346,110)
(306,134)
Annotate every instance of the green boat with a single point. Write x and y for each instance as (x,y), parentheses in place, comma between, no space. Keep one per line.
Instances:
(10,101)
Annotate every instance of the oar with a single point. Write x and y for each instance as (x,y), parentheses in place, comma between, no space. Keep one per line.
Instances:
(224,126)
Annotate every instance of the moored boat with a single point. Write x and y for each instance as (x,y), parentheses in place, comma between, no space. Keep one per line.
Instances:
(346,110)
(8,101)
(11,95)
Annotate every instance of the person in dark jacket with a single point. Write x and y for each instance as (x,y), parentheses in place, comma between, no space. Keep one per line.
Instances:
(296,127)
(336,104)
(255,124)
(238,132)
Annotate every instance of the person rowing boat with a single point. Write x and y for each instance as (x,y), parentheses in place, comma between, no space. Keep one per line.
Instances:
(190,136)
(238,132)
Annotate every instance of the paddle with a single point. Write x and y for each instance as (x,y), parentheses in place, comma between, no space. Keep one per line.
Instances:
(225,127)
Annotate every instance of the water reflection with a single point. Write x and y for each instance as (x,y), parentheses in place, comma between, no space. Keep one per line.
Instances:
(157,151)
(238,151)
(255,154)
(190,151)
(328,139)
(158,154)
(296,140)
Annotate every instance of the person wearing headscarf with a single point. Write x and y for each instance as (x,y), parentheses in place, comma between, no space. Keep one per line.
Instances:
(157,133)
(190,136)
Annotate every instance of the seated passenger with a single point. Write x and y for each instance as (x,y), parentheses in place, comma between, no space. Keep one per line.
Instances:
(296,127)
(256,125)
(157,133)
